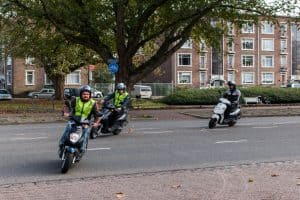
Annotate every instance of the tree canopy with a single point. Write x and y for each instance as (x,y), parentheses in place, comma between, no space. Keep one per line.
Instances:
(122,28)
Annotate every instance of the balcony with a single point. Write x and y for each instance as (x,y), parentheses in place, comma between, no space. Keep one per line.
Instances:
(283,68)
(283,51)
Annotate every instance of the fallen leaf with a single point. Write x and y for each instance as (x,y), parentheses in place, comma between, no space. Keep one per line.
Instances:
(176,186)
(120,195)
(130,130)
(274,175)
(250,180)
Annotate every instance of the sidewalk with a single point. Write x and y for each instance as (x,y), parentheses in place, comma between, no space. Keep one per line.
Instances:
(266,181)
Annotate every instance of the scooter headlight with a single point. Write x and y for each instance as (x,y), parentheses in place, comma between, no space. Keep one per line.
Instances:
(74,137)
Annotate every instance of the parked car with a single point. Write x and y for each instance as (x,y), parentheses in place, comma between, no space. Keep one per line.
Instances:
(5,95)
(44,93)
(141,91)
(96,93)
(71,92)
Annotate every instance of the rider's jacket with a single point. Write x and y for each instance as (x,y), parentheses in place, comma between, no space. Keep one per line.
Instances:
(232,95)
(84,109)
(119,99)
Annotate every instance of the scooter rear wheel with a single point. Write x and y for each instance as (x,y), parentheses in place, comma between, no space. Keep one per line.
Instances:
(212,123)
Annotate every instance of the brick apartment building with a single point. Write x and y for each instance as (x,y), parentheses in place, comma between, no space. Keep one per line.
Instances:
(265,54)
(21,76)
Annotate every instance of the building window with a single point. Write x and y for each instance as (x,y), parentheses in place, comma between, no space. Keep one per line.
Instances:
(8,77)
(230,61)
(248,27)
(283,29)
(202,79)
(283,46)
(248,77)
(267,61)
(184,59)
(29,77)
(247,61)
(267,78)
(29,61)
(247,43)
(230,45)
(185,77)
(267,28)
(8,61)
(230,28)
(202,46)
(230,76)
(47,80)
(267,44)
(188,44)
(73,78)
(202,62)
(283,61)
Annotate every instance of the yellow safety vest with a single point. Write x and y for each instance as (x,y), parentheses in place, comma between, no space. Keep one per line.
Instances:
(84,109)
(119,98)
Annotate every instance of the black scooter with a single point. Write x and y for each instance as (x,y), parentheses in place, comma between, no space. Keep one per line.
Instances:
(114,126)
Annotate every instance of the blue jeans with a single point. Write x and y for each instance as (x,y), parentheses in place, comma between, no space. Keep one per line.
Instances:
(67,130)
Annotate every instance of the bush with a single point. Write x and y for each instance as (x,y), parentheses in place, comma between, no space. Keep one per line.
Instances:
(210,96)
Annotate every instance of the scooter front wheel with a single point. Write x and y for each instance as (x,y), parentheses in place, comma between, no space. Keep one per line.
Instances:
(66,163)
(212,123)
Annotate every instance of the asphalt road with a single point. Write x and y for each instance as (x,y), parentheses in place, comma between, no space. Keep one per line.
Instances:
(29,152)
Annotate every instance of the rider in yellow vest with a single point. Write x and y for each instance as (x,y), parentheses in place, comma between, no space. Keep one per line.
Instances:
(83,107)
(120,100)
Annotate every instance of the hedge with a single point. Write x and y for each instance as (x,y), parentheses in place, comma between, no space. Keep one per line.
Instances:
(192,96)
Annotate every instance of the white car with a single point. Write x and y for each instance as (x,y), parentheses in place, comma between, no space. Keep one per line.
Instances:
(96,93)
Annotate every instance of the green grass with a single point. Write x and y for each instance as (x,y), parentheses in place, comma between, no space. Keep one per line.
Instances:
(43,105)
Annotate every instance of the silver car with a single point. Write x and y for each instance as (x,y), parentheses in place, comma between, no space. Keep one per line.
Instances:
(5,95)
(42,94)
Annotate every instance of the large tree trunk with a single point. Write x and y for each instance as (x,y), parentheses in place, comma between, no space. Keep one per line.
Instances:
(59,84)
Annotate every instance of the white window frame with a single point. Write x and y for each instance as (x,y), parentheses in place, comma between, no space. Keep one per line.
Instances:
(283,45)
(29,61)
(69,78)
(230,28)
(245,41)
(47,81)
(263,61)
(264,81)
(283,27)
(230,57)
(248,27)
(26,77)
(8,77)
(231,76)
(202,61)
(178,59)
(188,44)
(263,40)
(230,45)
(265,25)
(201,80)
(8,61)
(243,78)
(283,61)
(185,73)
(202,46)
(242,60)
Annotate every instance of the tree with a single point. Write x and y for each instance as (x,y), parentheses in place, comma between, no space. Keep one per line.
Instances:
(124,27)
(50,50)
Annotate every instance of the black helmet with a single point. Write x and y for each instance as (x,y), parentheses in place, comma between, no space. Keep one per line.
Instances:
(231,83)
(85,88)
(121,86)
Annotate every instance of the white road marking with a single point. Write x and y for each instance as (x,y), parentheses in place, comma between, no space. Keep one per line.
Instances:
(140,129)
(232,141)
(265,127)
(157,132)
(35,138)
(98,149)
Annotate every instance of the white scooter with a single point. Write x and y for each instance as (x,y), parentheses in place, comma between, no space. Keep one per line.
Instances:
(218,116)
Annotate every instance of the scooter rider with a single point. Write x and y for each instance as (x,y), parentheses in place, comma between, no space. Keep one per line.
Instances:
(233,95)
(120,100)
(82,107)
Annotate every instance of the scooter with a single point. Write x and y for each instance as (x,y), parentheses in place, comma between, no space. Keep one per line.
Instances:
(70,153)
(114,126)
(218,116)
